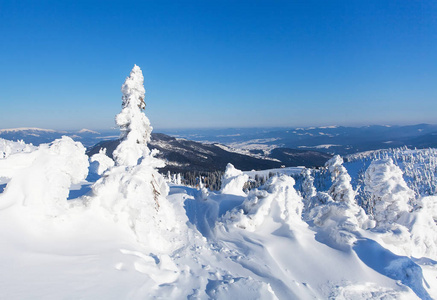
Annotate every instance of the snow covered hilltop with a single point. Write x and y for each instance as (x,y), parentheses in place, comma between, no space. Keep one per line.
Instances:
(73,227)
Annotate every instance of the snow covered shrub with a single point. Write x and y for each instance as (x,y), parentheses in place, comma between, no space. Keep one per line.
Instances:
(341,189)
(336,222)
(336,214)
(133,190)
(100,162)
(308,189)
(41,179)
(423,229)
(233,181)
(9,147)
(389,194)
(276,199)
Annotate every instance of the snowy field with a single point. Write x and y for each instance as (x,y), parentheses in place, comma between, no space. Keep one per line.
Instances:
(267,244)
(74,227)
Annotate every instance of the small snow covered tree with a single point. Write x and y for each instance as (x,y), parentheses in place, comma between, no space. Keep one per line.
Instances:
(134,125)
(308,189)
(341,189)
(233,181)
(388,192)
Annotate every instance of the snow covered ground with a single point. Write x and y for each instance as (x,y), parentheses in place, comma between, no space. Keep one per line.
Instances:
(73,227)
(232,245)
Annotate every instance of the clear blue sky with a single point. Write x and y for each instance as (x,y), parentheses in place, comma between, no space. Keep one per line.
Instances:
(219,63)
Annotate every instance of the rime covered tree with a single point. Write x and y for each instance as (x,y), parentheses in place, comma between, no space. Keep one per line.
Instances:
(134,125)
(388,192)
(133,190)
(341,189)
(308,189)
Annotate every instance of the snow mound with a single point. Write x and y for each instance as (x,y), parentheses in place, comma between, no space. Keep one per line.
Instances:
(278,199)
(41,179)
(9,147)
(423,230)
(233,181)
(239,288)
(100,162)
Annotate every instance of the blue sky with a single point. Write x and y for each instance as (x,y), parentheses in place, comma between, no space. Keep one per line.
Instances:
(219,63)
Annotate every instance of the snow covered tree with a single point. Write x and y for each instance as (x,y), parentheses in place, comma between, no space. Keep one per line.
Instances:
(133,190)
(388,192)
(341,189)
(308,189)
(134,125)
(233,181)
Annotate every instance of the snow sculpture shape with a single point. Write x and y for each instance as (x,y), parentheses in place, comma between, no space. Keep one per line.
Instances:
(233,181)
(41,179)
(388,192)
(134,125)
(133,190)
(277,200)
(100,162)
(9,147)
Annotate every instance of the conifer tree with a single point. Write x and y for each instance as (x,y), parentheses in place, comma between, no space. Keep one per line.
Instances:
(134,125)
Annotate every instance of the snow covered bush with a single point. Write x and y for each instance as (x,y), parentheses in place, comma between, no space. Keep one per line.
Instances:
(389,194)
(133,190)
(233,181)
(336,215)
(423,229)
(341,189)
(100,162)
(276,199)
(41,179)
(336,222)
(9,147)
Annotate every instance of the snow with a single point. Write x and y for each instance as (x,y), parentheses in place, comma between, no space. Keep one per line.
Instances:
(215,245)
(124,233)
(84,130)
(100,162)
(290,171)
(324,146)
(9,147)
(135,126)
(233,181)
(41,179)
(25,129)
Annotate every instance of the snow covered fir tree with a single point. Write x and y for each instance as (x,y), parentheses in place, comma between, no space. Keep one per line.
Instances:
(113,227)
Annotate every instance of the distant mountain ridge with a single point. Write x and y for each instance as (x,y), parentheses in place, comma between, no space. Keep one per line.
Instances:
(251,148)
(38,136)
(330,139)
(183,155)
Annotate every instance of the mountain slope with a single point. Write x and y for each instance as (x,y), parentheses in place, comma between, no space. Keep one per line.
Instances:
(183,155)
